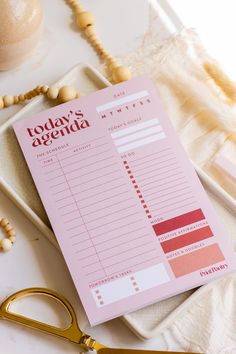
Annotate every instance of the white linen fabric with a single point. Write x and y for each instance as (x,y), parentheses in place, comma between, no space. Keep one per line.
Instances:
(205,120)
(202,114)
(208,324)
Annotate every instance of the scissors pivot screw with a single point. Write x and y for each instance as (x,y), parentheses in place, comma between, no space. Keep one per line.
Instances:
(87,341)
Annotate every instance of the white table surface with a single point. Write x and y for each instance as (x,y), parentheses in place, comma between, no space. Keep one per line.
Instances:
(33,261)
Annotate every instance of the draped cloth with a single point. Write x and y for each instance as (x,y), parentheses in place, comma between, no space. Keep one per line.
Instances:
(199,99)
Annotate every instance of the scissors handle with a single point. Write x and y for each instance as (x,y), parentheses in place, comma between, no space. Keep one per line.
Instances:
(71,333)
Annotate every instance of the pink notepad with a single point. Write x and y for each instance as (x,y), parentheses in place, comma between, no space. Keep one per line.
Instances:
(131,217)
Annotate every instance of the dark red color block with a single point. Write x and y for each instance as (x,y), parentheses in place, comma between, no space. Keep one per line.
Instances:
(178,221)
(186,239)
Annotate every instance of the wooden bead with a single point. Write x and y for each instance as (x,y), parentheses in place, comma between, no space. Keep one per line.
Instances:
(21,98)
(38,89)
(1,102)
(89,31)
(52,93)
(98,45)
(16,99)
(109,58)
(4,222)
(44,89)
(72,2)
(85,19)
(8,100)
(93,38)
(105,54)
(67,93)
(11,233)
(27,96)
(12,239)
(6,244)
(78,10)
(8,227)
(113,64)
(121,73)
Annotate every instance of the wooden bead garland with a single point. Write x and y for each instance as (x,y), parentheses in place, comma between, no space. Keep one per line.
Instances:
(86,22)
(64,94)
(7,242)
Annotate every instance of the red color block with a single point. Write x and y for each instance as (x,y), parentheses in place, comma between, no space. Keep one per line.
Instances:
(186,239)
(178,221)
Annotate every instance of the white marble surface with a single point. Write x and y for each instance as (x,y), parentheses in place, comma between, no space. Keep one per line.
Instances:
(33,261)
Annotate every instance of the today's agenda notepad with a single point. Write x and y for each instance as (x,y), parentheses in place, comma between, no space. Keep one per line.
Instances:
(130,215)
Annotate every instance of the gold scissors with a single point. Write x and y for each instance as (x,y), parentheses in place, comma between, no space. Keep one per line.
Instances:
(71,333)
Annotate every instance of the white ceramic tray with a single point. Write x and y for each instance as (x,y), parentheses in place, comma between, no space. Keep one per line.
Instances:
(16,182)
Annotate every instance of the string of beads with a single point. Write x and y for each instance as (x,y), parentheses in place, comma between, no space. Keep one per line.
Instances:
(86,22)
(64,94)
(7,242)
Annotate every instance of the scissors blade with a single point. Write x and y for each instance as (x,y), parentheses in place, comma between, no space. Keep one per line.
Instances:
(136,351)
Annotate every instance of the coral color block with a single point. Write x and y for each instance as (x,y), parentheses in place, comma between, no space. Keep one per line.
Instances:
(196,260)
